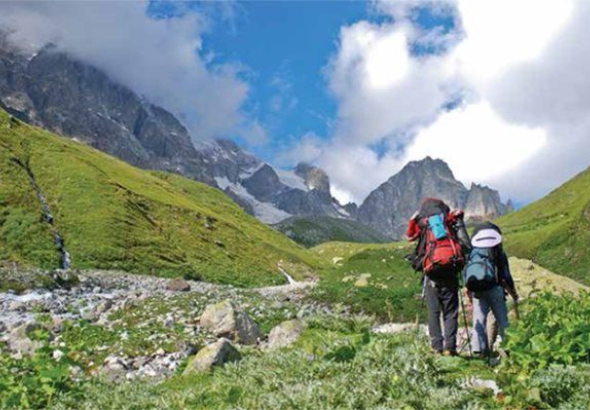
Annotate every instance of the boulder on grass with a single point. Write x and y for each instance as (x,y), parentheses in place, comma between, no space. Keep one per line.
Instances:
(178,285)
(363,280)
(285,334)
(212,355)
(224,319)
(19,342)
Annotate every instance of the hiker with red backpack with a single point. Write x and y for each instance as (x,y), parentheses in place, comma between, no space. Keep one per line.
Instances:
(487,279)
(439,254)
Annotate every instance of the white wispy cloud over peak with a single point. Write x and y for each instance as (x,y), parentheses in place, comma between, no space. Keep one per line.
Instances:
(372,68)
(158,58)
(516,71)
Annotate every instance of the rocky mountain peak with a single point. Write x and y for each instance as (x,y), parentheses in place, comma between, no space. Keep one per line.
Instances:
(484,203)
(314,177)
(69,97)
(429,166)
(389,206)
(264,184)
(74,99)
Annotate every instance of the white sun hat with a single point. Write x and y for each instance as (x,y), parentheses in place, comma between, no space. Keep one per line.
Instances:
(486,238)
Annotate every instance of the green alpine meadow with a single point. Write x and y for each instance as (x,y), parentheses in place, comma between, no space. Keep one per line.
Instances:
(295,205)
(114,216)
(554,230)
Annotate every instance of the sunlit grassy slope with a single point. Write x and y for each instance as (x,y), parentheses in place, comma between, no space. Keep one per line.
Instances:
(115,216)
(555,231)
(370,278)
(530,277)
(390,287)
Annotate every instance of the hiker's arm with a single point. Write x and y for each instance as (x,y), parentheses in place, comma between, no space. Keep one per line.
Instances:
(506,276)
(413,230)
(461,231)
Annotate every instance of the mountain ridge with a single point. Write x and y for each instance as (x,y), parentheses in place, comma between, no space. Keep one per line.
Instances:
(390,205)
(52,90)
(74,99)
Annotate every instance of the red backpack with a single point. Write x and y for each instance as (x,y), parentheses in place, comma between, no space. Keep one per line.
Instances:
(442,254)
(438,253)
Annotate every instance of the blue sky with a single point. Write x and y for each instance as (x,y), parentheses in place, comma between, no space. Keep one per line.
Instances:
(284,47)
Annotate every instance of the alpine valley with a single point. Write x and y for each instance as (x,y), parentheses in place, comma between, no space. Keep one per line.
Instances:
(144,268)
(76,100)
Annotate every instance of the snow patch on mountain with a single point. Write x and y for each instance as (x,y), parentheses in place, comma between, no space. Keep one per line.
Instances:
(292,180)
(263,211)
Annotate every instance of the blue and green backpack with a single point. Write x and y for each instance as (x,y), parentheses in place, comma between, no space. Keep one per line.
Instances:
(480,272)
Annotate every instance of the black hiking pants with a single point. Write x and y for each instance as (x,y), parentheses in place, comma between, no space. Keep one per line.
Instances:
(442,300)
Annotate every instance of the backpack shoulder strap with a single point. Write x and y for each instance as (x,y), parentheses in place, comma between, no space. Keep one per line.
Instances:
(494,254)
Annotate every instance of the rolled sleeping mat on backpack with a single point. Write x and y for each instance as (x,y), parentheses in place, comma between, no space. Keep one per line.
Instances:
(486,238)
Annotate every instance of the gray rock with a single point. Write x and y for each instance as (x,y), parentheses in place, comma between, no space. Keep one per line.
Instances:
(114,368)
(103,307)
(23,345)
(19,342)
(392,328)
(314,177)
(178,285)
(56,324)
(285,334)
(224,319)
(484,203)
(264,184)
(89,314)
(215,354)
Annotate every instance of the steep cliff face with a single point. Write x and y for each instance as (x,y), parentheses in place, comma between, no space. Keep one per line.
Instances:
(313,177)
(391,204)
(77,100)
(54,91)
(264,184)
(484,203)
(223,158)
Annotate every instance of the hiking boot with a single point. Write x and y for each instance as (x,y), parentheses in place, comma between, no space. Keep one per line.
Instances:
(481,355)
(450,353)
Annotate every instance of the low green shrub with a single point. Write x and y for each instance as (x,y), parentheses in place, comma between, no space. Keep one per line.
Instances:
(35,382)
(549,354)
(555,330)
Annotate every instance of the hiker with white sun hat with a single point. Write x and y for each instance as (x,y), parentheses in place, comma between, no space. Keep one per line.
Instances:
(488,279)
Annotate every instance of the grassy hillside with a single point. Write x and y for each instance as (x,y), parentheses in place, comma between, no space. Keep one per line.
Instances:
(114,216)
(375,279)
(371,278)
(555,231)
(313,230)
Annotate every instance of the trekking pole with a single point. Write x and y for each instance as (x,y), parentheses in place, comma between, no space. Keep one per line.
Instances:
(465,320)
(516,311)
(423,297)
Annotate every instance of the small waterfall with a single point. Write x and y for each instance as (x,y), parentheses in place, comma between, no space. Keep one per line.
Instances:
(289,278)
(47,217)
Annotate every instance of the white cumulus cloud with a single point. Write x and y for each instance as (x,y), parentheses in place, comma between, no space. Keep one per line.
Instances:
(160,59)
(518,69)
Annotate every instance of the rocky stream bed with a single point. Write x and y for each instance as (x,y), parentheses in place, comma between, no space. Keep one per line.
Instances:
(123,326)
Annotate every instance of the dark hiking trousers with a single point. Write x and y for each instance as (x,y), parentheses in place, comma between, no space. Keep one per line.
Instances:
(442,300)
